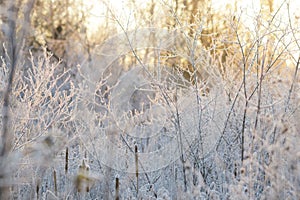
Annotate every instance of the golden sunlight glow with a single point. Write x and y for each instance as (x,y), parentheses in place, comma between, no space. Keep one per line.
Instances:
(251,8)
(101,11)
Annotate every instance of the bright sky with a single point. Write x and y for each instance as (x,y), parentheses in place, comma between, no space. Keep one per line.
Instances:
(252,4)
(249,9)
(121,9)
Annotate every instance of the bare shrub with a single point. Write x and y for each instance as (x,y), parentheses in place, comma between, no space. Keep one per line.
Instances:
(189,109)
